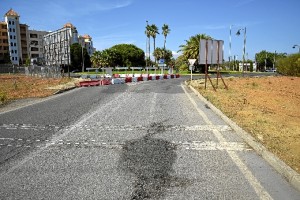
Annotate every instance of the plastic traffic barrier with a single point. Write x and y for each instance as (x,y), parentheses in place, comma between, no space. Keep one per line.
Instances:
(105,82)
(128,79)
(89,83)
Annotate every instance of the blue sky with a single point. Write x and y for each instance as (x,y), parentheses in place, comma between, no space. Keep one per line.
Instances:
(272,25)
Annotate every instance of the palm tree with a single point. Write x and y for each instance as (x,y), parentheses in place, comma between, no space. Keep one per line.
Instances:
(153,32)
(165,32)
(190,50)
(148,34)
(95,58)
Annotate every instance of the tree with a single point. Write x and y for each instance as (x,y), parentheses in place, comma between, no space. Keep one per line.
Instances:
(6,58)
(160,53)
(148,34)
(165,32)
(190,50)
(289,65)
(181,63)
(95,59)
(128,55)
(266,59)
(87,59)
(27,62)
(76,56)
(153,33)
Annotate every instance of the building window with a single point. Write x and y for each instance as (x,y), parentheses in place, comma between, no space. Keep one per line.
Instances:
(15,51)
(13,22)
(11,44)
(34,49)
(32,35)
(14,30)
(10,37)
(9,22)
(9,29)
(13,58)
(15,44)
(12,51)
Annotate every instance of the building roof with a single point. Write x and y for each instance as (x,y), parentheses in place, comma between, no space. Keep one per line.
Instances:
(86,36)
(11,12)
(69,25)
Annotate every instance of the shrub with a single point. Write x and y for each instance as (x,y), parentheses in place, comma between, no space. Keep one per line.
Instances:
(290,65)
(3,97)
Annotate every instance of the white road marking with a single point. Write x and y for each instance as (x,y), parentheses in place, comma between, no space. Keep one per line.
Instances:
(180,145)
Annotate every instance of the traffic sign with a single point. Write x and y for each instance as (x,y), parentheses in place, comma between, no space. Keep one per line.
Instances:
(192,61)
(161,61)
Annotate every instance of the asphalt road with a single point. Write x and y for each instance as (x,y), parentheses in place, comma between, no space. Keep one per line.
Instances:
(151,140)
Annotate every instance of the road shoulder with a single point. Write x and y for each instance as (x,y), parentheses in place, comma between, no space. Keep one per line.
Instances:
(287,172)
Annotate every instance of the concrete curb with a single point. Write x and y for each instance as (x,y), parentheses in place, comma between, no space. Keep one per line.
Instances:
(64,90)
(286,171)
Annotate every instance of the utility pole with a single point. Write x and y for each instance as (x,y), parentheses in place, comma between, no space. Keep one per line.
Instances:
(229,44)
(244,47)
(82,58)
(266,61)
(274,65)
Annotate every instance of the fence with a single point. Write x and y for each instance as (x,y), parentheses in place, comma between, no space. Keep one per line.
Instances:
(8,68)
(38,71)
(44,71)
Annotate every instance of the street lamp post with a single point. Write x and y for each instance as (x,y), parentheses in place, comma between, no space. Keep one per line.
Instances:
(244,48)
(230,44)
(296,45)
(235,57)
(274,63)
(266,61)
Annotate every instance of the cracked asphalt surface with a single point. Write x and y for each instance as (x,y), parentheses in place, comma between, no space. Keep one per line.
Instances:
(150,140)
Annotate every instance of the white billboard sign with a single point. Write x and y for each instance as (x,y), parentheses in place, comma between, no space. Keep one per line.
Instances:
(211,51)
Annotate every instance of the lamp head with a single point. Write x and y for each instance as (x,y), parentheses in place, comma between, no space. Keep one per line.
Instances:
(238,32)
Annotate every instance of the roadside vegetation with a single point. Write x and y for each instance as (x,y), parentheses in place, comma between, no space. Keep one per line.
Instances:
(18,86)
(266,107)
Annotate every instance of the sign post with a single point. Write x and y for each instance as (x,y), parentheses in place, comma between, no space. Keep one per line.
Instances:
(191,66)
(161,63)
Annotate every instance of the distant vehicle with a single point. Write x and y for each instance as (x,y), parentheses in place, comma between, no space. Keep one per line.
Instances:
(76,70)
(270,70)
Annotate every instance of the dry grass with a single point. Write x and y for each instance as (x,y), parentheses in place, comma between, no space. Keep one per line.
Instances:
(268,108)
(18,87)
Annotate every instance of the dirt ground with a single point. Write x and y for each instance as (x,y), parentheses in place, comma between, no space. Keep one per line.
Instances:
(266,107)
(14,87)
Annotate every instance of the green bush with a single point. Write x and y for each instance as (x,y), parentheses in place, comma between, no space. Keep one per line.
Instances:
(183,67)
(290,65)
(3,97)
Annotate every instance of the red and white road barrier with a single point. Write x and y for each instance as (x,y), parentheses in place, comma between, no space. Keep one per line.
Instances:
(127,78)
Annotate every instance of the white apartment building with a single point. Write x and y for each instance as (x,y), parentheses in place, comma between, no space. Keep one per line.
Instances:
(57,45)
(86,42)
(18,43)
(36,44)
(16,38)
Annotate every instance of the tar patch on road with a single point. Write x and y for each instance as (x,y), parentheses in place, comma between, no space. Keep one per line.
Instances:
(151,161)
